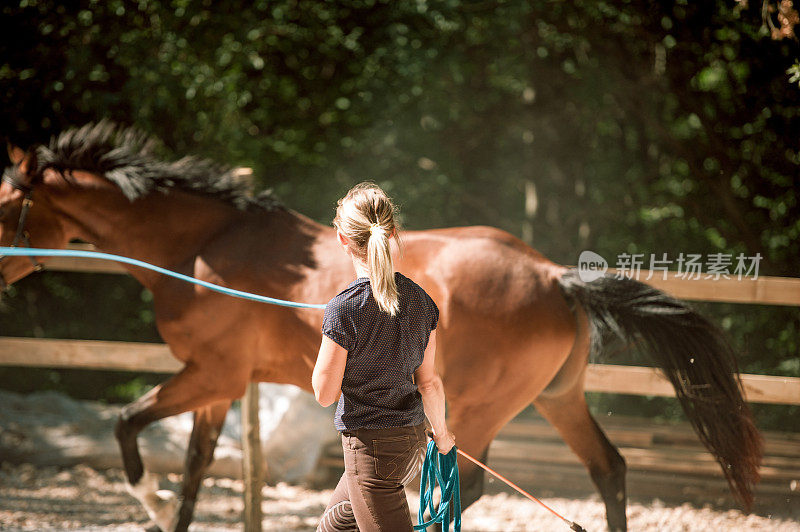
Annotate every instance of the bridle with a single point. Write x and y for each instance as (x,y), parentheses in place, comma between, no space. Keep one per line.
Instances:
(21,235)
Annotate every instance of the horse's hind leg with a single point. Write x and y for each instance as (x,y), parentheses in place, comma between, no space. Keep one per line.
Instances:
(563,404)
(570,415)
(190,389)
(474,427)
(208,423)
(473,438)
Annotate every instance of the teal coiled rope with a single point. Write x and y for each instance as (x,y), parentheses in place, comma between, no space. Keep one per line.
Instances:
(441,468)
(36,252)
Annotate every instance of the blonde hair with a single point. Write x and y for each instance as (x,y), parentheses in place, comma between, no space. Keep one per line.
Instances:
(366,216)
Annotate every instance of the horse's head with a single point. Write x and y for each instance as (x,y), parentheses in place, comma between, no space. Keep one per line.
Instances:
(24,221)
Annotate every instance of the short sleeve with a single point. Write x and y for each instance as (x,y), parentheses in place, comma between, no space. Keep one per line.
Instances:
(433,312)
(337,324)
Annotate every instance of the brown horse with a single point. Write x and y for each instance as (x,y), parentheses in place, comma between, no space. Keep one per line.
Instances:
(515,328)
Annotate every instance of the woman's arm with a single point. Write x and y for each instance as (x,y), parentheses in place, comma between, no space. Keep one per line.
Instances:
(328,372)
(431,389)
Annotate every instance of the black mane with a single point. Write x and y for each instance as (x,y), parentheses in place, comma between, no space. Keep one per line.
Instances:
(125,157)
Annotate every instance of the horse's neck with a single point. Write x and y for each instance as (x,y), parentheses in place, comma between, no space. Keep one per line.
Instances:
(296,254)
(163,229)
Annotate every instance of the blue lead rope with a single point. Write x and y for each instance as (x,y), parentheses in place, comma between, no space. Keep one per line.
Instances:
(441,468)
(36,252)
(437,468)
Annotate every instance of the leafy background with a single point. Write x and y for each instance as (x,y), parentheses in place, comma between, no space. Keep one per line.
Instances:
(638,127)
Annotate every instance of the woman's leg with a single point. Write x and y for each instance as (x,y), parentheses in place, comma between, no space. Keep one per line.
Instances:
(338,516)
(376,463)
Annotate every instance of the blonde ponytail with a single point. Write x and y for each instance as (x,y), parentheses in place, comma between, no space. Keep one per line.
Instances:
(366,217)
(381,270)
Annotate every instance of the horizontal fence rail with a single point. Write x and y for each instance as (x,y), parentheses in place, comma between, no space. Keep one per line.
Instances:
(156,358)
(634,380)
(757,291)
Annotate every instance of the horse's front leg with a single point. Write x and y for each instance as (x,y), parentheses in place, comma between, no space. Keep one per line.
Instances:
(193,388)
(208,423)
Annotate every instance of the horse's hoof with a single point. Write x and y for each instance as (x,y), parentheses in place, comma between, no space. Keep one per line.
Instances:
(165,510)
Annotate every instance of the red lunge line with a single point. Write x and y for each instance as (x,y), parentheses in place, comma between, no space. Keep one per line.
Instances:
(504,479)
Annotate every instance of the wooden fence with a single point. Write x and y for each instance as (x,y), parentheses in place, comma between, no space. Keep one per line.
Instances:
(156,358)
(144,357)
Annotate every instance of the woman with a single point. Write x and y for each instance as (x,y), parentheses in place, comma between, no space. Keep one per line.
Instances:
(377,359)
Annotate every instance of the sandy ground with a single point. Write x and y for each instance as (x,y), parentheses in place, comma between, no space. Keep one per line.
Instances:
(81,498)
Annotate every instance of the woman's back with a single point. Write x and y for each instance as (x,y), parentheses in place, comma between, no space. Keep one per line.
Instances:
(384,351)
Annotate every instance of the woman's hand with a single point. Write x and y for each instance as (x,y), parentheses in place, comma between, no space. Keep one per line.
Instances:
(444,442)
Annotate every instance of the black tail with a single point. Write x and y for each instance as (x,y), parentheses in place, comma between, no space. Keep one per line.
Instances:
(696,358)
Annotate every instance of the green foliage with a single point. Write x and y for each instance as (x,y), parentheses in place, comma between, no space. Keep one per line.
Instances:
(128,391)
(662,127)
(794,73)
(79,306)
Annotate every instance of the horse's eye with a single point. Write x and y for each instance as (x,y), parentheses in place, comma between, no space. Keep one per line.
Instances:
(2,213)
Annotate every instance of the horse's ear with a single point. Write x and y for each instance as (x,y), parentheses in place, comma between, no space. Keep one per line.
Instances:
(29,162)
(15,154)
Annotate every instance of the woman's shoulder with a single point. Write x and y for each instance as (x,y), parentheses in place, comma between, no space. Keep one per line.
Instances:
(352,296)
(401,279)
(418,296)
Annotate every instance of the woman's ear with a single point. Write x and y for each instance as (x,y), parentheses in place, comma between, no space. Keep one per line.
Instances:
(344,241)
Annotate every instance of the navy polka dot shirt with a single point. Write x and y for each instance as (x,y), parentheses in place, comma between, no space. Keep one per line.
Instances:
(383,352)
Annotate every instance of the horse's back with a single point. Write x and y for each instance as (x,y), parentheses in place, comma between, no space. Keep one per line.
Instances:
(494,293)
(484,269)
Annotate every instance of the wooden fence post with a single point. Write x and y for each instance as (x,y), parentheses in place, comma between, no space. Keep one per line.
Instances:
(252,464)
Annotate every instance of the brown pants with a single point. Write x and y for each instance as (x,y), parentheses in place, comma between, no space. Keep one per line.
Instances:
(370,495)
